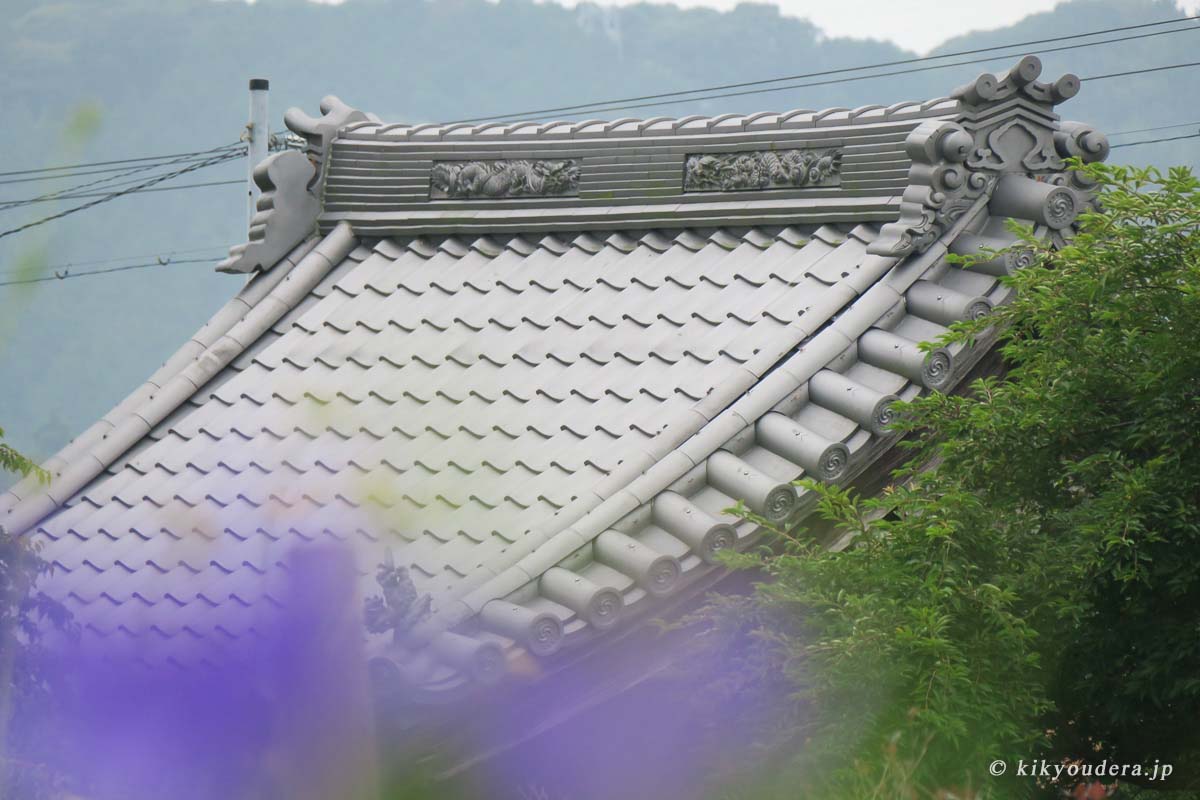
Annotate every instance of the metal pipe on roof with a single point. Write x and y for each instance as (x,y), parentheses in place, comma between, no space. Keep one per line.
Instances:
(257,139)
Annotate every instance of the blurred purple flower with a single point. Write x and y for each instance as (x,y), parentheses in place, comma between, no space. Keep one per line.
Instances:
(284,714)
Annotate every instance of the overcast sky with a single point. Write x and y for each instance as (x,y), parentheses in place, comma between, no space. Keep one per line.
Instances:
(914,24)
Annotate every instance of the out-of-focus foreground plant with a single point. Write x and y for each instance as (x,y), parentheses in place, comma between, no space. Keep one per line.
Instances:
(25,682)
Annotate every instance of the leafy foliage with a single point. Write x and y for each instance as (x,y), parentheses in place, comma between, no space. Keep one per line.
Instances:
(13,461)
(1027,589)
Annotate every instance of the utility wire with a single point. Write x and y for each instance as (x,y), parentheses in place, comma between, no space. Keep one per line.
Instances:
(118,171)
(170,255)
(1156,141)
(853,79)
(121,161)
(1141,71)
(594,104)
(111,182)
(62,276)
(4,207)
(1156,128)
(74,191)
(113,195)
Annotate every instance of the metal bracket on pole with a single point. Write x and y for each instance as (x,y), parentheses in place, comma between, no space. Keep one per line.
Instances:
(258,137)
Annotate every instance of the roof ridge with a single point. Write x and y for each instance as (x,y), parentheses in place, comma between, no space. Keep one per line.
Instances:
(649,126)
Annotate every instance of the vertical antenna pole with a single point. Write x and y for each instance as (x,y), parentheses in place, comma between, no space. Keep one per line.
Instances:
(258,139)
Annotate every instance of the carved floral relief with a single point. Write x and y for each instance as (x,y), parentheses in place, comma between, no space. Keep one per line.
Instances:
(761,169)
(501,179)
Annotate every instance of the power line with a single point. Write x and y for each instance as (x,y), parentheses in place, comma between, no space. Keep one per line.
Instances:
(853,79)
(1141,71)
(60,192)
(120,161)
(74,191)
(1156,141)
(115,171)
(62,276)
(113,182)
(169,255)
(1156,128)
(593,106)
(4,207)
(113,195)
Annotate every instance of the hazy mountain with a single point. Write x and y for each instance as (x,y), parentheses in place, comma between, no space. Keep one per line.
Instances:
(167,76)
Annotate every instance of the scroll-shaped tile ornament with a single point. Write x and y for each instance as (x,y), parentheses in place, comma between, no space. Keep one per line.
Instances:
(1006,135)
(503,179)
(761,169)
(287,212)
(319,132)
(290,181)
(940,190)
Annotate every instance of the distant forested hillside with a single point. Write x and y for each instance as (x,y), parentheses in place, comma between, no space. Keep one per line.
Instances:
(85,80)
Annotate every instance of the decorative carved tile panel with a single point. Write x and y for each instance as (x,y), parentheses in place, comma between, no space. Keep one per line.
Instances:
(503,179)
(761,169)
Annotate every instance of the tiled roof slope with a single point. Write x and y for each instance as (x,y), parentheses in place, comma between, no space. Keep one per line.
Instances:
(546,427)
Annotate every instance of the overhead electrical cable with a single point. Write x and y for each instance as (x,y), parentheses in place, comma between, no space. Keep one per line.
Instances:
(902,72)
(112,182)
(121,180)
(170,255)
(1155,128)
(241,181)
(113,195)
(1141,71)
(597,105)
(122,161)
(1156,141)
(62,276)
(118,171)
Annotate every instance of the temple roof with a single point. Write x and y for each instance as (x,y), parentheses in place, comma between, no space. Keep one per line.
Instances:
(534,365)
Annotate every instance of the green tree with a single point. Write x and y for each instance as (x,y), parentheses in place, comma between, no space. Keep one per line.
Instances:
(1027,588)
